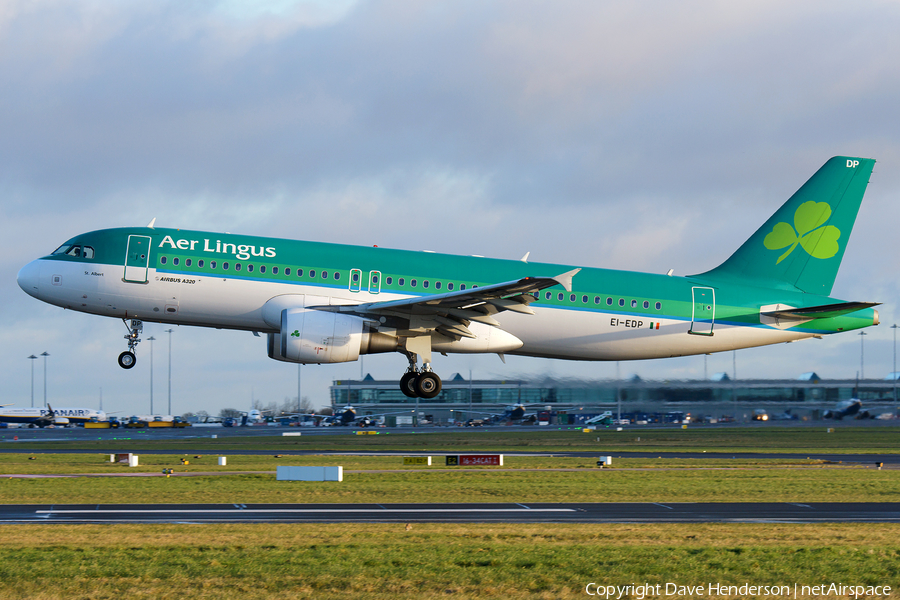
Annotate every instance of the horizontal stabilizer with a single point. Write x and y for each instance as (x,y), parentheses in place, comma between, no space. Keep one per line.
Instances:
(819,312)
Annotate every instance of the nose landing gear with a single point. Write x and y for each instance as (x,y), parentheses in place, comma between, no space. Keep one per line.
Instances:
(419,383)
(127,359)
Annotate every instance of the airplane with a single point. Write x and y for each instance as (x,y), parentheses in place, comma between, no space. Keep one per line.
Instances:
(512,413)
(787,415)
(327,303)
(43,417)
(846,408)
(253,417)
(347,417)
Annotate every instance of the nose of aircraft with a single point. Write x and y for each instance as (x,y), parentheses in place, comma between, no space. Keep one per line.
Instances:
(29,277)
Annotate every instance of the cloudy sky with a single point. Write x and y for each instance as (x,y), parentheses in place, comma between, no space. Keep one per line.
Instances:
(640,135)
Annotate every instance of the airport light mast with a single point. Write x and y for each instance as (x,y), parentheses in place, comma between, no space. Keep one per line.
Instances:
(169,331)
(151,339)
(34,358)
(45,355)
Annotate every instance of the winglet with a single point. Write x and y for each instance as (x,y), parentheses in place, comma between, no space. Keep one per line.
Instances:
(565,279)
(151,223)
(524,259)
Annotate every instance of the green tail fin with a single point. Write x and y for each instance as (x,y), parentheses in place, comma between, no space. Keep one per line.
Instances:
(801,246)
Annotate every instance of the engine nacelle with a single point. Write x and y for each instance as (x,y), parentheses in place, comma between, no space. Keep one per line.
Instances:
(315,336)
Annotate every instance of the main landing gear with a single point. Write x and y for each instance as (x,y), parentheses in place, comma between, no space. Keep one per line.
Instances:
(419,383)
(127,359)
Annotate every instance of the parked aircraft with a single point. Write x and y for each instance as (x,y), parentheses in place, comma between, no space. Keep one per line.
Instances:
(846,408)
(43,417)
(326,303)
(515,413)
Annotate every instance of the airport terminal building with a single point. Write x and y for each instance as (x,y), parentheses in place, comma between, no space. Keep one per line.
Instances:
(808,396)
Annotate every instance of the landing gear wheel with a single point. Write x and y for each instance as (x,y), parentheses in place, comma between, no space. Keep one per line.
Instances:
(127,360)
(408,384)
(428,384)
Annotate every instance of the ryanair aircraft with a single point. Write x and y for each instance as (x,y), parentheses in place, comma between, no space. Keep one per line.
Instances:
(44,417)
(328,303)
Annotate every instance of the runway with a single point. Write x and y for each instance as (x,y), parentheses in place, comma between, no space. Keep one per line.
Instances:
(542,512)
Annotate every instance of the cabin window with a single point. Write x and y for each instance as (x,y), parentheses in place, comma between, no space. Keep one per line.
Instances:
(162,260)
(324,274)
(187,262)
(175,261)
(548,295)
(596,299)
(584,299)
(337,276)
(609,301)
(200,263)
(437,285)
(560,296)
(250,268)
(425,284)
(224,266)
(274,270)
(299,272)
(621,301)
(212,264)
(462,286)
(389,280)
(450,286)
(572,298)
(658,305)
(412,282)
(312,273)
(646,304)
(634,304)
(401,281)
(262,268)
(287,270)
(237,266)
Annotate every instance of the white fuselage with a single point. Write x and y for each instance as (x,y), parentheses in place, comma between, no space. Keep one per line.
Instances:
(236,303)
(61,415)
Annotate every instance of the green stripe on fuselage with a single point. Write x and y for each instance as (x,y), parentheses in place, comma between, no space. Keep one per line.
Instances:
(736,304)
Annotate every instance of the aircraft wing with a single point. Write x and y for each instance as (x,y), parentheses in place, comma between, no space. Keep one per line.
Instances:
(450,312)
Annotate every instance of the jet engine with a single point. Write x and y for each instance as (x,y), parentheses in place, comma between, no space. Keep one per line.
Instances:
(315,336)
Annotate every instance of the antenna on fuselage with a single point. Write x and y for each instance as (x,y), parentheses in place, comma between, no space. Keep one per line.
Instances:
(151,223)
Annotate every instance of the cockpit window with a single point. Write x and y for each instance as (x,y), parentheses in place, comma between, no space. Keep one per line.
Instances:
(75,250)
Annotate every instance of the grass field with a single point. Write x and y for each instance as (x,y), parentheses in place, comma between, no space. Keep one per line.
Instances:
(451,560)
(385,479)
(430,560)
